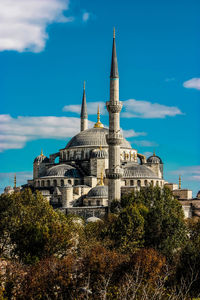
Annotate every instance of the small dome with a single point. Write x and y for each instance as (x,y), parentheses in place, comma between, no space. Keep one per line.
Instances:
(99,191)
(8,188)
(99,153)
(63,171)
(154,159)
(93,220)
(41,158)
(138,171)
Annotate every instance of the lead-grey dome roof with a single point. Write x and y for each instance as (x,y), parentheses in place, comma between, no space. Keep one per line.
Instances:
(63,170)
(93,220)
(154,159)
(138,171)
(41,158)
(99,191)
(93,137)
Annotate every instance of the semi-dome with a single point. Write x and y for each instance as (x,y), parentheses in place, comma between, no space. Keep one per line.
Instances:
(99,153)
(99,191)
(63,171)
(93,137)
(154,159)
(138,171)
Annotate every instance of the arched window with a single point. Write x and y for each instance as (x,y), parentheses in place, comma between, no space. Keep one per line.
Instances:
(48,182)
(131,182)
(98,202)
(42,183)
(89,203)
(62,182)
(139,183)
(145,183)
(55,182)
(157,183)
(38,183)
(69,181)
(152,183)
(76,182)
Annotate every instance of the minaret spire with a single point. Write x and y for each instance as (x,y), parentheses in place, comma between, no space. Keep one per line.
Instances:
(114,65)
(84,115)
(114,138)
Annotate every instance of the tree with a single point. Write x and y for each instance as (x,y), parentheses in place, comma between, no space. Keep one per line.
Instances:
(164,225)
(31,230)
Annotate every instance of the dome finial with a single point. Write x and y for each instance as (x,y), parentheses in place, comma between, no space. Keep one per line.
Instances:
(179,182)
(41,152)
(154,154)
(15,180)
(98,124)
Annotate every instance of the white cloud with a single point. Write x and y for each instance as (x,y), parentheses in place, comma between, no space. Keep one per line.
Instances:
(193,83)
(191,173)
(132,133)
(23,23)
(147,110)
(15,132)
(131,109)
(145,143)
(91,108)
(86,16)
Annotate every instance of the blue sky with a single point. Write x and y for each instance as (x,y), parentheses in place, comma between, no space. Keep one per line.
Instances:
(48,48)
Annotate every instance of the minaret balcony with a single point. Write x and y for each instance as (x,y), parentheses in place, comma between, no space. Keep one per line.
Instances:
(114,173)
(114,139)
(114,106)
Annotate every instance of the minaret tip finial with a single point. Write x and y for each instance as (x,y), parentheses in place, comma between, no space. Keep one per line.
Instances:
(84,84)
(113,32)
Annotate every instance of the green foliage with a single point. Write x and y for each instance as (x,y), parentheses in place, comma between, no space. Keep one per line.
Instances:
(30,229)
(128,229)
(164,226)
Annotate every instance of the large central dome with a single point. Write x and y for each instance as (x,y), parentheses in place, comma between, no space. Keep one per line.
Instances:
(93,137)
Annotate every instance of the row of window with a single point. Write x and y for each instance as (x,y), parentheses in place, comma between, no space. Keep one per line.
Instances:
(138,183)
(87,154)
(48,183)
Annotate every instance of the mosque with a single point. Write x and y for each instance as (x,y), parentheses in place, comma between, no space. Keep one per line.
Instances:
(98,165)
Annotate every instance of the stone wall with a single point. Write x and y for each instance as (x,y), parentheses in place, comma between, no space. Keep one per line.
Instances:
(87,212)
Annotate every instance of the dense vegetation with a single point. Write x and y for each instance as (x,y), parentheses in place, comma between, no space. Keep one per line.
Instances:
(144,249)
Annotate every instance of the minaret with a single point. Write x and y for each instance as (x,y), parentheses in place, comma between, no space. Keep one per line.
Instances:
(84,115)
(15,180)
(179,182)
(114,138)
